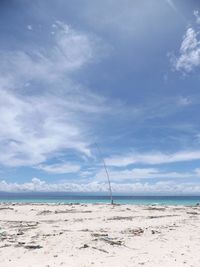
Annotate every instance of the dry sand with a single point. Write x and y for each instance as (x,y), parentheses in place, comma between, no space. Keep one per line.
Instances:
(99,235)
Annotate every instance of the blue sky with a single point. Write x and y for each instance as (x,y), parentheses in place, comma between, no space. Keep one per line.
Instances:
(123,74)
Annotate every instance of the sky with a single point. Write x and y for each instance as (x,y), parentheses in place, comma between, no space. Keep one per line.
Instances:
(121,74)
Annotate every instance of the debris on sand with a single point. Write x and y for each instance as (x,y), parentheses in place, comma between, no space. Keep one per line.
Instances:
(72,211)
(100,249)
(6,208)
(161,216)
(135,232)
(155,232)
(193,213)
(155,208)
(20,232)
(98,234)
(44,212)
(112,241)
(33,246)
(129,218)
(84,246)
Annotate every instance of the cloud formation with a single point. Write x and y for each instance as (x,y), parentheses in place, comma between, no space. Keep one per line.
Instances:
(189,53)
(51,104)
(68,50)
(42,108)
(144,173)
(171,4)
(196,13)
(34,128)
(60,168)
(153,158)
(37,185)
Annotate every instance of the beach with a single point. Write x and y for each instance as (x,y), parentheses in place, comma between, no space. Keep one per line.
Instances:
(77,235)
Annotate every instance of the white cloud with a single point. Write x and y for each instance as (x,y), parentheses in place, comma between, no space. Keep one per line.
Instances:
(184,101)
(37,185)
(189,54)
(152,158)
(43,110)
(74,47)
(171,4)
(144,173)
(29,27)
(196,13)
(197,171)
(35,128)
(60,168)
(69,51)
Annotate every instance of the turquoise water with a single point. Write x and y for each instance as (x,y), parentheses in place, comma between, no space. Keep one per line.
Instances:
(75,198)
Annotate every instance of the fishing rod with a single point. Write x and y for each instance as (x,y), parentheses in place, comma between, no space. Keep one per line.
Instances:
(107,174)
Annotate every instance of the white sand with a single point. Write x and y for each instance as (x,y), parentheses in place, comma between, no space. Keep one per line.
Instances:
(99,235)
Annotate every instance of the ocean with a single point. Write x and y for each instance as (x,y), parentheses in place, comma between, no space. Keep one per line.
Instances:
(91,198)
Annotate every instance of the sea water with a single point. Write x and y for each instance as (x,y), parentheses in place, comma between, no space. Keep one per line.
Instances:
(92,198)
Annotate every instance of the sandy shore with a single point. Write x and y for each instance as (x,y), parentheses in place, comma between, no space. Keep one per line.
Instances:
(99,235)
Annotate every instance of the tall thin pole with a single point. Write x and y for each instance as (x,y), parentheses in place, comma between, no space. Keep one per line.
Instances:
(107,174)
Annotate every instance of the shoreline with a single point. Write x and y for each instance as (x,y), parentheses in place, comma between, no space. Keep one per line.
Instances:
(21,203)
